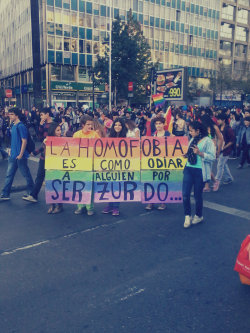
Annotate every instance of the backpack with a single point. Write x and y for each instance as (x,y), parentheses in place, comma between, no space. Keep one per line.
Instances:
(30,143)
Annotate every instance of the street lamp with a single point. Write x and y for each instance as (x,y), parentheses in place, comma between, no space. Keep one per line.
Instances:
(110,53)
(91,75)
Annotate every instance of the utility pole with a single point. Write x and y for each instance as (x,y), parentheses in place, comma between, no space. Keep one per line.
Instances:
(37,89)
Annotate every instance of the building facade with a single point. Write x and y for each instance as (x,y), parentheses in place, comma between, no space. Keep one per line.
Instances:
(180,33)
(234,52)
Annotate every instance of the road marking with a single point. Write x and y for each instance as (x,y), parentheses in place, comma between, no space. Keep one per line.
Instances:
(132,294)
(30,246)
(24,248)
(228,210)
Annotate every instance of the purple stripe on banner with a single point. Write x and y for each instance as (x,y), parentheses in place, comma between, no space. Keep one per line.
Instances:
(117,197)
(68,198)
(162,197)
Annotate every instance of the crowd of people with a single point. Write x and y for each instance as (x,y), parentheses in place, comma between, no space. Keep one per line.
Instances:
(215,134)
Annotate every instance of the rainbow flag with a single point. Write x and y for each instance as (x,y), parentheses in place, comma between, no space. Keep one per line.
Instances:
(168,120)
(158,99)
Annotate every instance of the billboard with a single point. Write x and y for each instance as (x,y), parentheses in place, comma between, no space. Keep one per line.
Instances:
(172,83)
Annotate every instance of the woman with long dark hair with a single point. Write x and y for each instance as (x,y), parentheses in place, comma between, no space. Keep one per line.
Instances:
(118,130)
(215,134)
(201,154)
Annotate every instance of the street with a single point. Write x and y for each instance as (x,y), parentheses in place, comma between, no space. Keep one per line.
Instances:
(138,272)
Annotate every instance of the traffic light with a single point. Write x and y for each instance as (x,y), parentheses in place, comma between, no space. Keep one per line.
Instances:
(148,90)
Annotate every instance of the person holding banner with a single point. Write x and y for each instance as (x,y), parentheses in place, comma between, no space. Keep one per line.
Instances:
(201,154)
(87,131)
(160,132)
(118,130)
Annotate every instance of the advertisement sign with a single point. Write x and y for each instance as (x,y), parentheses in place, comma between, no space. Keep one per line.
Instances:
(130,86)
(171,83)
(8,93)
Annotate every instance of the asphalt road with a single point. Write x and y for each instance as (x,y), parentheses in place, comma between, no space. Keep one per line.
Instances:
(139,272)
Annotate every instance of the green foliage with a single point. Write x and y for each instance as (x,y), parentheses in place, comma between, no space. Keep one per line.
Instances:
(131,58)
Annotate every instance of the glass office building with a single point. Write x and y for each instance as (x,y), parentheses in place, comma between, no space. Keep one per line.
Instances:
(179,32)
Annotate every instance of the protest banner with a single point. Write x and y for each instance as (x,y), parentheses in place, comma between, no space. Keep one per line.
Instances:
(117,170)
(72,187)
(69,166)
(69,154)
(162,165)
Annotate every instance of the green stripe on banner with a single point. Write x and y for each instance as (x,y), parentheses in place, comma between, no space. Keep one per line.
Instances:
(164,175)
(86,176)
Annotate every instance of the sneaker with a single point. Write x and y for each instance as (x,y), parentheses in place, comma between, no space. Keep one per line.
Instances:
(240,166)
(197,219)
(227,182)
(57,210)
(107,210)
(162,207)
(79,211)
(216,186)
(4,198)
(188,221)
(115,212)
(29,198)
(149,207)
(90,212)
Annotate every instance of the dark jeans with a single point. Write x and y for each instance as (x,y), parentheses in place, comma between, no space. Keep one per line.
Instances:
(192,177)
(13,165)
(2,151)
(39,179)
(245,154)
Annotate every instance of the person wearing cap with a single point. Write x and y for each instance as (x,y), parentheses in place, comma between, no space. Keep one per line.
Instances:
(243,141)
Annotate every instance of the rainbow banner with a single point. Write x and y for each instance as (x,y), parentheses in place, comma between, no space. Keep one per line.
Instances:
(116,154)
(72,187)
(69,154)
(162,165)
(117,186)
(117,170)
(158,99)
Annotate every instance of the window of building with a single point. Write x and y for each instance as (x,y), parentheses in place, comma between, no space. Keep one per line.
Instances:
(227,12)
(59,29)
(50,14)
(242,16)
(74,5)
(58,3)
(50,28)
(81,46)
(241,34)
(74,44)
(55,73)
(226,30)
(89,7)
(66,44)
(67,73)
(66,4)
(240,50)
(51,43)
(67,31)
(58,43)
(82,74)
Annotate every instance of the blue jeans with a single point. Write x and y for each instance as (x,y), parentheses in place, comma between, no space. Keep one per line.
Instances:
(223,169)
(13,165)
(114,205)
(193,177)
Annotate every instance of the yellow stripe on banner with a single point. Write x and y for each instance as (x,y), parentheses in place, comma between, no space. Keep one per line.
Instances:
(69,164)
(175,163)
(117,164)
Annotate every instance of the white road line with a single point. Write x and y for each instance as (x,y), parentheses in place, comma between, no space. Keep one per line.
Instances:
(24,248)
(30,246)
(132,295)
(228,210)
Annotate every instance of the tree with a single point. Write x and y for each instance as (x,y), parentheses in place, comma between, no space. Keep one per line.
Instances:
(131,59)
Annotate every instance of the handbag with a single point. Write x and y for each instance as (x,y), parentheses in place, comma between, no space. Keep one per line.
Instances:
(242,265)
